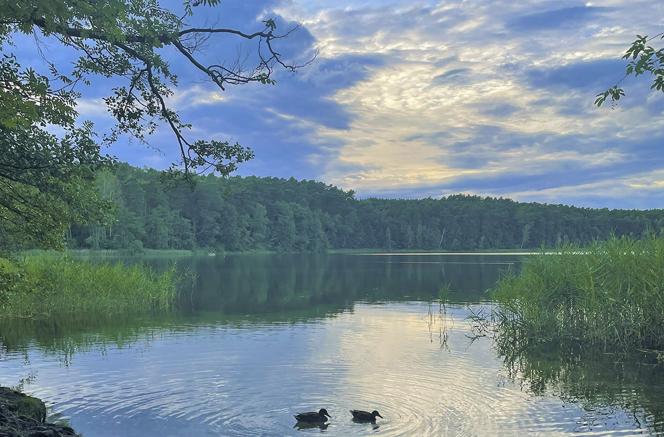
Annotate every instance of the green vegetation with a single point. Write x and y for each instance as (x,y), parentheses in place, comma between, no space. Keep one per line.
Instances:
(251,213)
(42,286)
(46,181)
(643,58)
(49,158)
(608,294)
(130,36)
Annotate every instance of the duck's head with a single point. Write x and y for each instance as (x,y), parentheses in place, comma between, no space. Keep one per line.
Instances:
(375,414)
(323,412)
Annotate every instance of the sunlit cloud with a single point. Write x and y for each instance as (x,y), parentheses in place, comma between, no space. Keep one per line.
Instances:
(479,89)
(428,98)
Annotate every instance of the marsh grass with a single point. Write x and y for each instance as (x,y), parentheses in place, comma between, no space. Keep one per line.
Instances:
(43,286)
(609,294)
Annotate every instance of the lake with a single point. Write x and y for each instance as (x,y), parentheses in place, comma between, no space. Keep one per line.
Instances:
(258,338)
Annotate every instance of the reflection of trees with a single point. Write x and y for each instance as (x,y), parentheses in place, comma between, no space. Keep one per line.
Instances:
(592,378)
(67,336)
(269,283)
(259,288)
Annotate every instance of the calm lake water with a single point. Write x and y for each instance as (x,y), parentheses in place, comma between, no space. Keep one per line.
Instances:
(259,338)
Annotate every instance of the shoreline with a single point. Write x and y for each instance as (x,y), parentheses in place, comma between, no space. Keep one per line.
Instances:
(23,415)
(174,253)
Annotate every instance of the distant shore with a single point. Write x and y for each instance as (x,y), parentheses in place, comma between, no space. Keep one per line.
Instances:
(173,253)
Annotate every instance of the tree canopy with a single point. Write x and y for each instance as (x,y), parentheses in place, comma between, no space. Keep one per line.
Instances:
(254,213)
(44,178)
(48,157)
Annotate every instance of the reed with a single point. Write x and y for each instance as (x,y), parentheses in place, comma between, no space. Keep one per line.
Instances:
(610,293)
(45,285)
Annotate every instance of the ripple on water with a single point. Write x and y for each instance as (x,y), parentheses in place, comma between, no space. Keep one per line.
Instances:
(250,380)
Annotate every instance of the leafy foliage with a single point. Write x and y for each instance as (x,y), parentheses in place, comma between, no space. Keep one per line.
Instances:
(643,58)
(126,40)
(47,159)
(44,179)
(44,285)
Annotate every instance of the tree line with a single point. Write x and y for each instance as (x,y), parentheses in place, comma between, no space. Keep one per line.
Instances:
(254,213)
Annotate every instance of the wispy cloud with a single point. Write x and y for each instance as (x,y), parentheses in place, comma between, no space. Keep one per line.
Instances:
(433,97)
(499,92)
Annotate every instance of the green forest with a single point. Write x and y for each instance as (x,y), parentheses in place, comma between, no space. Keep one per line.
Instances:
(253,213)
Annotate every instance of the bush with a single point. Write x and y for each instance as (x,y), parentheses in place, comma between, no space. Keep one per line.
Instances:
(135,247)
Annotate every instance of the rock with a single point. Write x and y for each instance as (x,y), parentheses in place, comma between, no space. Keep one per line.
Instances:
(24,416)
(23,405)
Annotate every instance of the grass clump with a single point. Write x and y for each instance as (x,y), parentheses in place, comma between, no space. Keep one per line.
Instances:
(609,294)
(42,286)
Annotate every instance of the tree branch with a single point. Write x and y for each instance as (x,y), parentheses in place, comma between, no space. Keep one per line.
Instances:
(198,65)
(164,38)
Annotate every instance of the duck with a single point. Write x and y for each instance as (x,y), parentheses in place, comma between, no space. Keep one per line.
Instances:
(313,417)
(365,416)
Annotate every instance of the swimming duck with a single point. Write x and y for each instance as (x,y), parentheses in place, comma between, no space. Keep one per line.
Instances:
(365,416)
(313,417)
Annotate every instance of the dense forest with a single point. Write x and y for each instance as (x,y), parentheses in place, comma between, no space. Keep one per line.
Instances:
(252,213)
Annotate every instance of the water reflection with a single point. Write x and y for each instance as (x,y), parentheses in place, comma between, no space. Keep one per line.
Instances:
(252,284)
(608,386)
(243,380)
(259,338)
(300,426)
(240,289)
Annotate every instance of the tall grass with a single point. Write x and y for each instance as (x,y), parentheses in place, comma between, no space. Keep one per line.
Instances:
(609,294)
(46,285)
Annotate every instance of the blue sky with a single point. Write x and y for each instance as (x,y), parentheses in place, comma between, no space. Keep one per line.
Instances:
(428,98)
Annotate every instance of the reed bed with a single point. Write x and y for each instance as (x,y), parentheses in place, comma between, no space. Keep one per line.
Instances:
(609,294)
(38,286)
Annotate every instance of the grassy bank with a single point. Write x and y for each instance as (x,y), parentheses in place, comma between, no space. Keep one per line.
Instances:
(608,294)
(41,286)
(114,253)
(145,253)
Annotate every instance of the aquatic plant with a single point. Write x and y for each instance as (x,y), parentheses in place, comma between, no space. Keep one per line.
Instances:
(610,294)
(45,285)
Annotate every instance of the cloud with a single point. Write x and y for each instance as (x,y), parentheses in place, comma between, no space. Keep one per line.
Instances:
(432,97)
(495,111)
(556,19)
(635,191)
(454,75)
(593,75)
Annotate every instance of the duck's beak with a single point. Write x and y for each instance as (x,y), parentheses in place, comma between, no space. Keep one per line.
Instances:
(380,416)
(328,415)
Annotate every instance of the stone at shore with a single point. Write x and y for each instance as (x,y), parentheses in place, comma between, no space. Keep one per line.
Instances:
(24,416)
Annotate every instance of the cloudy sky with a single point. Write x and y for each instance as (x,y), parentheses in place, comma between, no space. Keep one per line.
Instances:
(428,98)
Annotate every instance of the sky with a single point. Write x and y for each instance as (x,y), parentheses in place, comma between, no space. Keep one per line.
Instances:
(410,99)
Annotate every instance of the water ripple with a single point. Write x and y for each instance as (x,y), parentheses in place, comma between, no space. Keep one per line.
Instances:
(250,380)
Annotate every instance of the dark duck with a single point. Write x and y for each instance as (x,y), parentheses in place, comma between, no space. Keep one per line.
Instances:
(313,417)
(365,416)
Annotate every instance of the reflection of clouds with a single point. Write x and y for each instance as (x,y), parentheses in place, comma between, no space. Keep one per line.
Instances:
(246,378)
(393,365)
